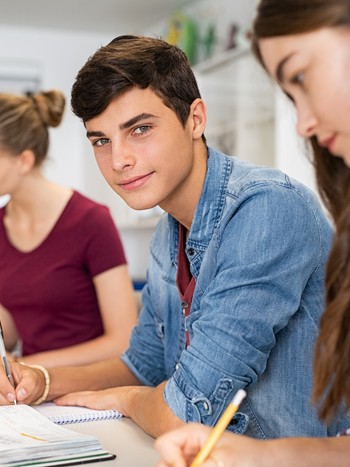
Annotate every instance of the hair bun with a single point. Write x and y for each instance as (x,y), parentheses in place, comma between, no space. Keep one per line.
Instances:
(50,106)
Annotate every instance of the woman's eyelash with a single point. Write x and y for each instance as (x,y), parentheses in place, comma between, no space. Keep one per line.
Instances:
(298,78)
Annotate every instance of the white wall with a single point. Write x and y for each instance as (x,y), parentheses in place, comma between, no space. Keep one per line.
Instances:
(290,150)
(58,55)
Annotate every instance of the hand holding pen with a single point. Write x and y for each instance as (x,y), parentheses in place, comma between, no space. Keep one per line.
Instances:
(5,360)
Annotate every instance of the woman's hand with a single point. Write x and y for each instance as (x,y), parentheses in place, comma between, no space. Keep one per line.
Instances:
(179,447)
(29,384)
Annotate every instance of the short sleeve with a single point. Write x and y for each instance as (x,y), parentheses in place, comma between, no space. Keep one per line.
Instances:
(104,248)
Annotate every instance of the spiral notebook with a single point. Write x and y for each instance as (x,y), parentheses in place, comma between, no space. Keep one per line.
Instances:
(66,414)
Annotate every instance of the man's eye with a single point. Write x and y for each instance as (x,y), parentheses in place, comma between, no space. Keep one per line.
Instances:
(142,129)
(100,142)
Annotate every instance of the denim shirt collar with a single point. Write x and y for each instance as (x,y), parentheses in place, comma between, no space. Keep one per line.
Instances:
(209,208)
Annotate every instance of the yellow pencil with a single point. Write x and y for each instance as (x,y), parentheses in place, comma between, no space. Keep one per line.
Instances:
(219,428)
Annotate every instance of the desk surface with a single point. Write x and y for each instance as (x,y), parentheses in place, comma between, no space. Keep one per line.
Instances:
(122,437)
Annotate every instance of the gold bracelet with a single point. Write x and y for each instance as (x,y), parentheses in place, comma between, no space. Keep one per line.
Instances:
(44,395)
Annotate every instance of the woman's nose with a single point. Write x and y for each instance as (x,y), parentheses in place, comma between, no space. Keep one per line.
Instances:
(306,122)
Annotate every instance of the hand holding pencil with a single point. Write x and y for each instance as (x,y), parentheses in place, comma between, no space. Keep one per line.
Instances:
(219,428)
(195,442)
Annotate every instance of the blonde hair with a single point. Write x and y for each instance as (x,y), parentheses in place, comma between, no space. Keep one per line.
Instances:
(25,119)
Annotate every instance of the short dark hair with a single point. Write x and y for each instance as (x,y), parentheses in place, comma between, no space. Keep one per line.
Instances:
(135,61)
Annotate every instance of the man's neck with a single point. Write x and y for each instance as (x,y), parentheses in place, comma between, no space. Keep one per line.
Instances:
(184,203)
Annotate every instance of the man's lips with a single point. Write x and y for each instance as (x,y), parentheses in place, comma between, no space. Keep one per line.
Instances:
(135,182)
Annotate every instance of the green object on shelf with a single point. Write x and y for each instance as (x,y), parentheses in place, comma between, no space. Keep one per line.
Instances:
(182,32)
(209,41)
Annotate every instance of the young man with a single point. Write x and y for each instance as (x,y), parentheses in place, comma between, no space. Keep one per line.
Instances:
(235,282)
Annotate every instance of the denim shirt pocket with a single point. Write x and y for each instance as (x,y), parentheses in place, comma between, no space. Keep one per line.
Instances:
(239,423)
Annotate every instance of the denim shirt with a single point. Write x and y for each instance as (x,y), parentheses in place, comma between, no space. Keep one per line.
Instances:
(257,247)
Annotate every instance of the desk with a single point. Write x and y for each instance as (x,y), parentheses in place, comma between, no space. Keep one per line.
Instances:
(133,447)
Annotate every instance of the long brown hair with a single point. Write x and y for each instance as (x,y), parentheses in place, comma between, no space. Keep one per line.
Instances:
(332,354)
(25,119)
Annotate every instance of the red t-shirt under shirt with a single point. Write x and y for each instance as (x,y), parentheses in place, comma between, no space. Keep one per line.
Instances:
(49,290)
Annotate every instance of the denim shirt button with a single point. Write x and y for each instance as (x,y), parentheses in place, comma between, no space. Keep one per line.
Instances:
(184,305)
(177,366)
(206,405)
(191,251)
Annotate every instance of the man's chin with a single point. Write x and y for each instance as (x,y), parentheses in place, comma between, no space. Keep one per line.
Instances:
(139,205)
(135,201)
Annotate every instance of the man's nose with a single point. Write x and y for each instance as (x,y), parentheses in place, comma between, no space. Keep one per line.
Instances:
(121,157)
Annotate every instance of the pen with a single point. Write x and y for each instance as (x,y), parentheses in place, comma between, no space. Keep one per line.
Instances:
(4,359)
(219,428)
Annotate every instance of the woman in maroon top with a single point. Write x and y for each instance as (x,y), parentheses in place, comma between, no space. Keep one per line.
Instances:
(65,291)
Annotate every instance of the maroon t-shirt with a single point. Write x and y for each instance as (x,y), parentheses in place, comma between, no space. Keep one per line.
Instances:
(49,290)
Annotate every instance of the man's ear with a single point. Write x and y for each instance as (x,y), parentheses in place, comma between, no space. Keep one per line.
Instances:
(26,161)
(199,118)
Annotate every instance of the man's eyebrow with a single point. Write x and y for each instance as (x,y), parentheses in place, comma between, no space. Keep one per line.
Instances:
(91,134)
(134,120)
(280,68)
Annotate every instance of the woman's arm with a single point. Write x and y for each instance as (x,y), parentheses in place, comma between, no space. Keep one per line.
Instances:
(179,447)
(9,328)
(119,315)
